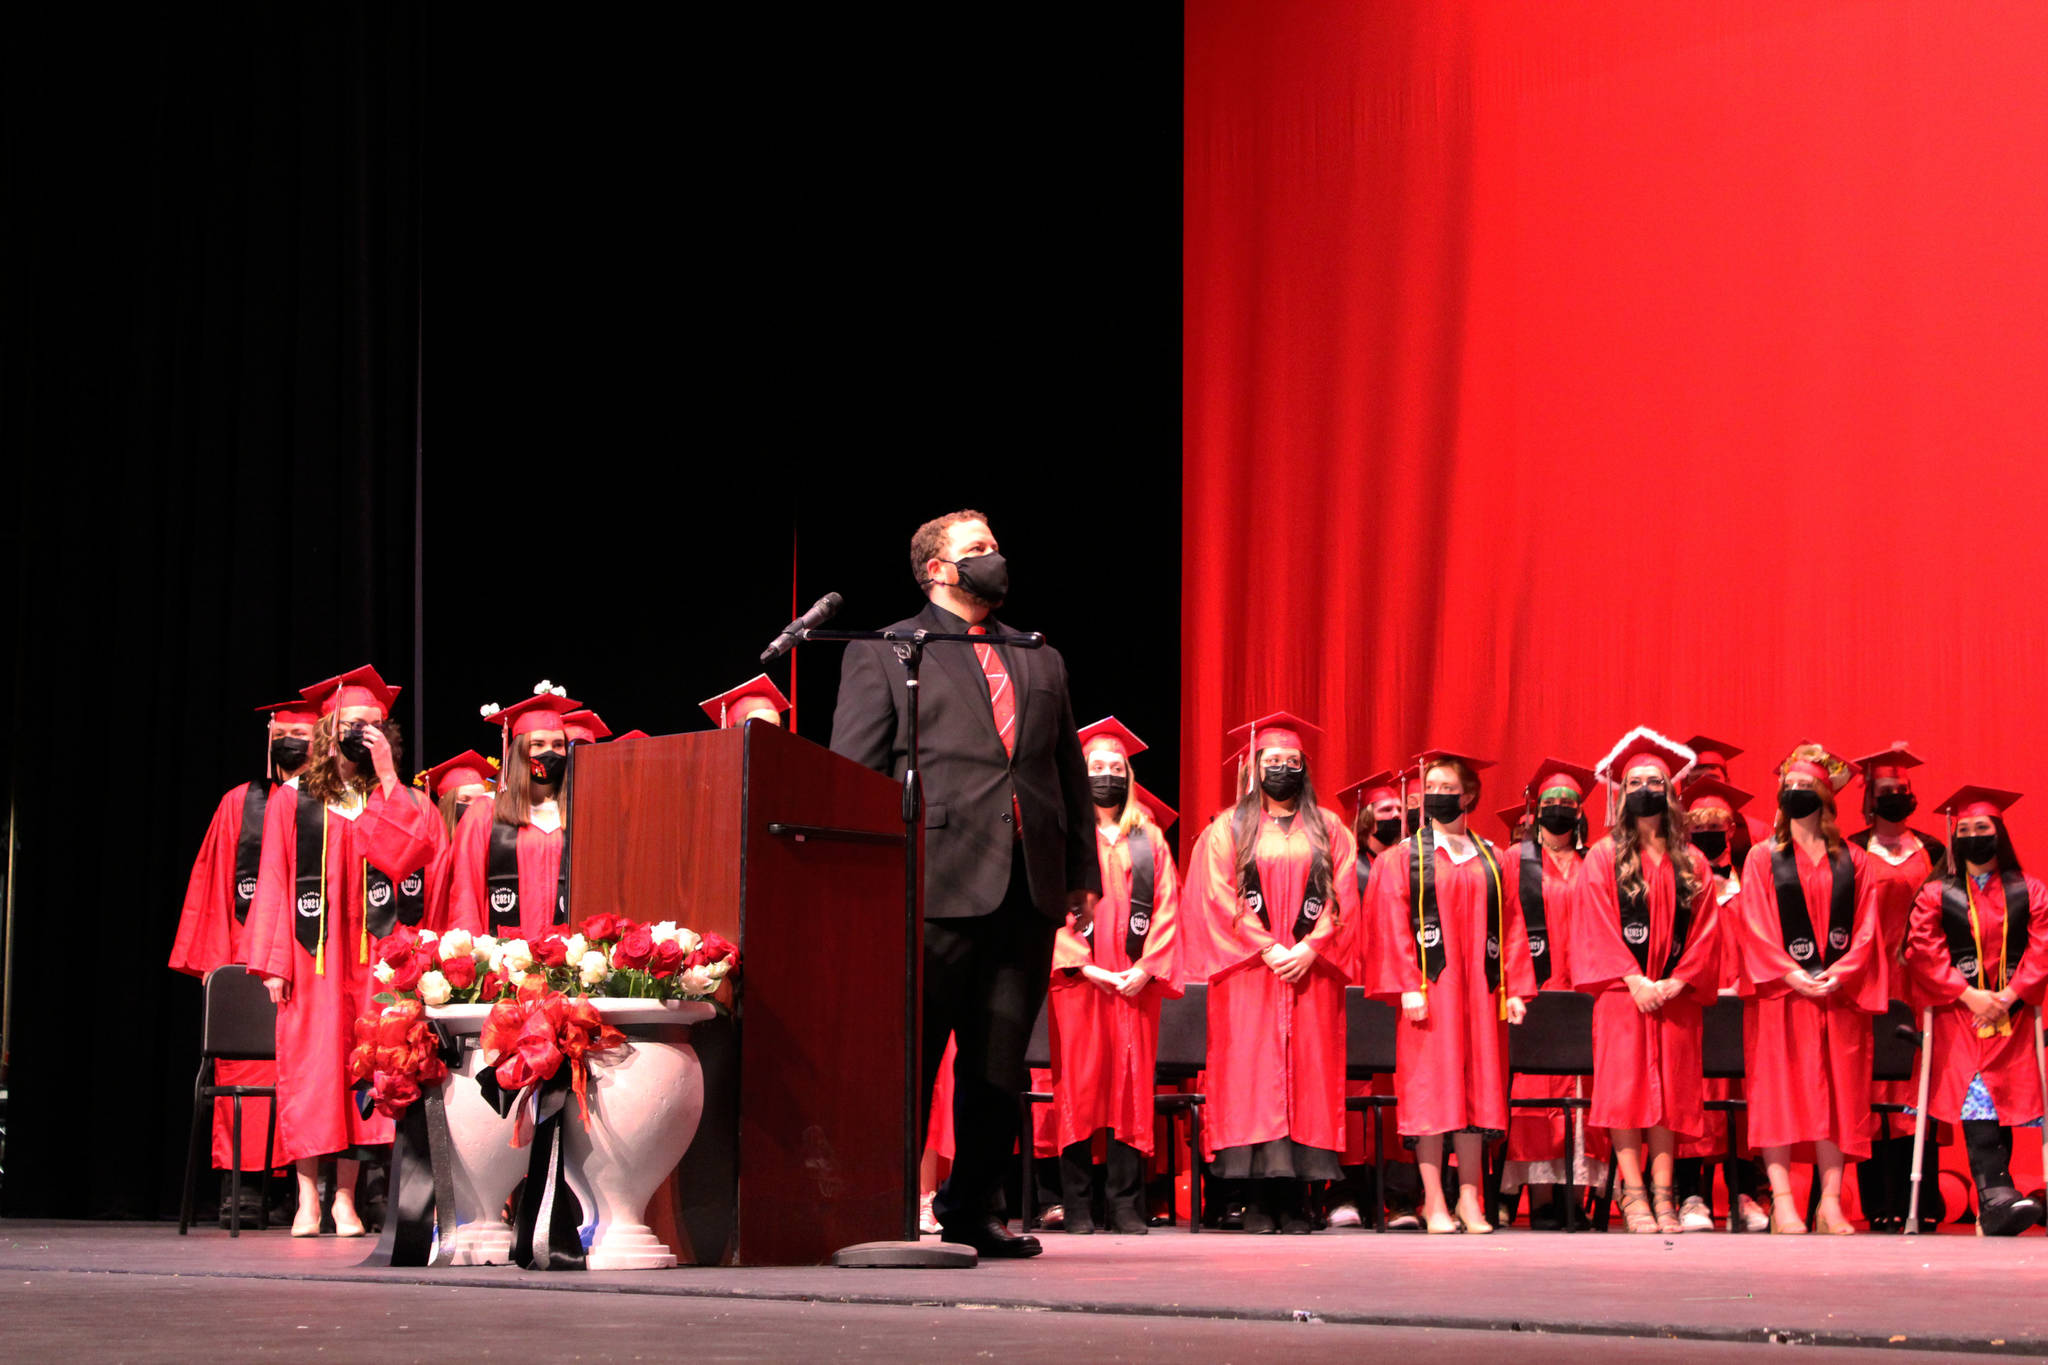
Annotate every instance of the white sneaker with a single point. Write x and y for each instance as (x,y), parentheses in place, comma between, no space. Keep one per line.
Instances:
(1754,1219)
(927,1221)
(1344,1216)
(1695,1216)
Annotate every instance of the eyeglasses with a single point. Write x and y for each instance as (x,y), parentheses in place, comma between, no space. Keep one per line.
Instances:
(1281,765)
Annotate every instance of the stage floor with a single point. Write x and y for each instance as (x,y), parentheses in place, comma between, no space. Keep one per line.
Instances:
(140,1292)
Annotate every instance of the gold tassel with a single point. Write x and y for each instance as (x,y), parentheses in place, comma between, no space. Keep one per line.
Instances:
(320,949)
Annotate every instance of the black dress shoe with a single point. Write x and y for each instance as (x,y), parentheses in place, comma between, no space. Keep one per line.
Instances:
(1128,1222)
(990,1237)
(1080,1227)
(2006,1212)
(1257,1220)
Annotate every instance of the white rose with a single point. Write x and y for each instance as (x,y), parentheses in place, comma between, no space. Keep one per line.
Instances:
(577,946)
(383,972)
(434,989)
(665,931)
(515,955)
(687,940)
(456,943)
(514,978)
(591,968)
(697,981)
(485,947)
(428,936)
(719,968)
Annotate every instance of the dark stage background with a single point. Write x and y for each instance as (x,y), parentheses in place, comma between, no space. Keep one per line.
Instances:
(698,305)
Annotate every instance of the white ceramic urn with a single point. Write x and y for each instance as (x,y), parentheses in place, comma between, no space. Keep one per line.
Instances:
(487,1165)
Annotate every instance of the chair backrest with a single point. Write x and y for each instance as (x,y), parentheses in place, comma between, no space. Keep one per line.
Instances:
(1894,1058)
(1721,1039)
(1038,1052)
(1557,1037)
(1368,1035)
(241,1023)
(1184,1033)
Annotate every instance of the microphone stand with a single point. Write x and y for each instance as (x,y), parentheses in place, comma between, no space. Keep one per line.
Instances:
(913,1251)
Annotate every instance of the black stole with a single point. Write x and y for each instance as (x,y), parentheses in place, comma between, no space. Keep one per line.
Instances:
(1795,925)
(1429,927)
(1533,913)
(386,904)
(249,847)
(1635,923)
(1255,896)
(1962,941)
(1143,883)
(501,880)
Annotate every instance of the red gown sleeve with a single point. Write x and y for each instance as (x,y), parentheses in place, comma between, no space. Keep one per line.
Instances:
(1390,966)
(1934,978)
(466,856)
(1861,968)
(1765,963)
(270,943)
(2030,981)
(401,832)
(1162,945)
(1600,956)
(1234,935)
(1331,938)
(206,935)
(1699,966)
(1518,969)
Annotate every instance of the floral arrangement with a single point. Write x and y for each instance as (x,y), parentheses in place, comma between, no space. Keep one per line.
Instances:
(395,1053)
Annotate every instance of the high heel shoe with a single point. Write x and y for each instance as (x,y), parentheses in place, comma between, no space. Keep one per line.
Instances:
(1791,1224)
(1832,1224)
(1436,1229)
(1664,1207)
(346,1221)
(1635,1209)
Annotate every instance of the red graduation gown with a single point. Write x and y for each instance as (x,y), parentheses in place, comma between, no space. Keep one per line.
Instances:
(1807,1062)
(1105,1047)
(209,935)
(1646,1067)
(1451,1070)
(316,1114)
(2005,1061)
(1539,1134)
(539,853)
(1276,1051)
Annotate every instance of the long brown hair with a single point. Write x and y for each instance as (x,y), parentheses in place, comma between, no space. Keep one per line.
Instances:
(323,778)
(1244,831)
(1628,851)
(514,801)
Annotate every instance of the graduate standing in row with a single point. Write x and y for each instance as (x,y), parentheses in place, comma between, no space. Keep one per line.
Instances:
(506,878)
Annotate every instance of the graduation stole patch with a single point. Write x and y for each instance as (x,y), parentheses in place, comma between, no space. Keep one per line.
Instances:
(1255,897)
(1429,926)
(1635,926)
(1795,925)
(1533,912)
(386,904)
(501,880)
(249,847)
(1963,928)
(1143,884)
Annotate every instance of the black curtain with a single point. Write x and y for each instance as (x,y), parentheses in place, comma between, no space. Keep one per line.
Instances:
(213,301)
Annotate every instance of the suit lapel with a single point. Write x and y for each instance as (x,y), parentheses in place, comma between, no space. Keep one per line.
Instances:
(961,663)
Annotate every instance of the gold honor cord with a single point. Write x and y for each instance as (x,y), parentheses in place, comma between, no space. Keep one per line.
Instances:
(1500,898)
(320,949)
(363,947)
(1421,948)
(2002,1029)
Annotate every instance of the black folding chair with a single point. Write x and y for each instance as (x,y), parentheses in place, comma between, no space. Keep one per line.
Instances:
(1037,1055)
(240,1026)
(1721,1059)
(1894,1056)
(1368,1053)
(1557,1040)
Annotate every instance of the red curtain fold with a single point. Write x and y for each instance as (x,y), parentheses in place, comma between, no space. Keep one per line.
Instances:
(1552,369)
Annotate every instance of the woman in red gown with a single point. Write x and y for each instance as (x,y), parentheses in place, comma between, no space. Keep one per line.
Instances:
(505,878)
(1646,946)
(1449,947)
(336,862)
(1813,972)
(1978,954)
(1280,882)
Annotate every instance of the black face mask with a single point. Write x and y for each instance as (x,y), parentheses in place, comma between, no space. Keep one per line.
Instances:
(986,578)
(1109,791)
(353,746)
(288,751)
(1646,804)
(1282,784)
(1798,802)
(1443,807)
(1413,819)
(1712,842)
(547,767)
(1895,806)
(1976,848)
(1558,819)
(1387,831)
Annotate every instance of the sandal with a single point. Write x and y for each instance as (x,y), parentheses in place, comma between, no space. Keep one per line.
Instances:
(1664,1205)
(1635,1209)
(1791,1225)
(1834,1224)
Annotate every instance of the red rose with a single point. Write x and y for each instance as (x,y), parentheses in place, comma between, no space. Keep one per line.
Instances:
(600,928)
(667,959)
(717,948)
(635,948)
(398,945)
(406,973)
(552,951)
(460,971)
(489,988)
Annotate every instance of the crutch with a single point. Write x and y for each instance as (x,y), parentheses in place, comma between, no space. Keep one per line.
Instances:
(1920,1111)
(2041,1070)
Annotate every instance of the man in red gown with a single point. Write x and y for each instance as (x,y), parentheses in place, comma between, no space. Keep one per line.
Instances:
(214,923)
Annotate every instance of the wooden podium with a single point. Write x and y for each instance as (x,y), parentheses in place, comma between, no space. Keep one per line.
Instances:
(795,854)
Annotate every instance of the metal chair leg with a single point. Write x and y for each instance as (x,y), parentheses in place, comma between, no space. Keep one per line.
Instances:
(1027,1193)
(201,1112)
(235,1170)
(1379,1165)
(1194,1169)
(1571,1189)
(269,1161)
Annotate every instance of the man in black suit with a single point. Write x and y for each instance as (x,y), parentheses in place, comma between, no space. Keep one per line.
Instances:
(1009,844)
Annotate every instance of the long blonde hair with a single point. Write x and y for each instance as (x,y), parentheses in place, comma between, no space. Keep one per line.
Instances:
(323,766)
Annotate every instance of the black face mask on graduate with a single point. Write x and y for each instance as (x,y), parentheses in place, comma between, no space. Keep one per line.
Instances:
(1282,784)
(353,746)
(1976,848)
(1895,806)
(986,578)
(1711,842)
(547,767)
(1388,832)
(1798,802)
(1443,807)
(1558,819)
(1646,803)
(1413,819)
(1109,791)
(288,751)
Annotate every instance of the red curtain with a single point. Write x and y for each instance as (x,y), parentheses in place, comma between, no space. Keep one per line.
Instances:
(1550,369)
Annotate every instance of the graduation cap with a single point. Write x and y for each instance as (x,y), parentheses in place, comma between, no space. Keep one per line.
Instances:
(466,769)
(584,727)
(541,711)
(1429,758)
(1111,731)
(1711,793)
(1553,773)
(297,711)
(1819,763)
(1971,799)
(1708,750)
(1381,786)
(1644,745)
(630,734)
(357,687)
(1891,762)
(1512,816)
(1278,730)
(752,697)
(1162,814)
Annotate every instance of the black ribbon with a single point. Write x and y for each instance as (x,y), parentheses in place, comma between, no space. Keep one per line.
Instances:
(1795,925)
(421,1189)
(501,880)
(547,1235)
(1143,885)
(1962,944)
(1635,923)
(1429,927)
(249,847)
(1533,913)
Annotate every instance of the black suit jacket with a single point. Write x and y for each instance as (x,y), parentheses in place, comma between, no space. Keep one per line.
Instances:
(969,832)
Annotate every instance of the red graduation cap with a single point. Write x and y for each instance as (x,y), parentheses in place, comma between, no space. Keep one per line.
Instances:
(465,769)
(1555,772)
(630,734)
(357,687)
(1278,730)
(1163,815)
(1642,745)
(543,710)
(1109,730)
(1819,762)
(757,694)
(584,727)
(1512,816)
(1711,793)
(1381,786)
(297,711)
(1427,757)
(1893,762)
(1974,800)
(1707,749)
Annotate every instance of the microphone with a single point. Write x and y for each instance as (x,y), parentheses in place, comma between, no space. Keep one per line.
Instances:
(821,611)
